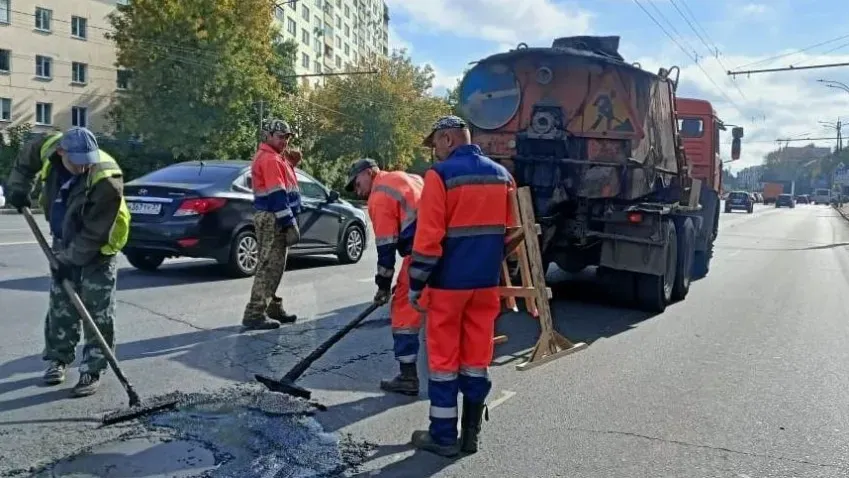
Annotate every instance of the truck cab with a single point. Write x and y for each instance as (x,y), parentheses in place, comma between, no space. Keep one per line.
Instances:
(699,127)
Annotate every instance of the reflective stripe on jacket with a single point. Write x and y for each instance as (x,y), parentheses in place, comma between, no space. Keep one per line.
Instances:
(392,208)
(275,185)
(463,216)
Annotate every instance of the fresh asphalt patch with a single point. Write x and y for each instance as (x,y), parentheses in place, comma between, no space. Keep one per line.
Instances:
(240,431)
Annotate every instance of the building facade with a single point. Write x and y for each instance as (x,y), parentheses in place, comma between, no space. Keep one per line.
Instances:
(57,68)
(333,36)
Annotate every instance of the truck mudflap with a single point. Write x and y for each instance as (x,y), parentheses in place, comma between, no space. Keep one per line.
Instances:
(634,240)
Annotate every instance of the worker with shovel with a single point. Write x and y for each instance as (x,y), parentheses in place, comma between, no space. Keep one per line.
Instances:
(457,253)
(393,198)
(82,199)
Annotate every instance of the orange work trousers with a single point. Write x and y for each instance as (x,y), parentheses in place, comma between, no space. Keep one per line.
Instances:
(406,320)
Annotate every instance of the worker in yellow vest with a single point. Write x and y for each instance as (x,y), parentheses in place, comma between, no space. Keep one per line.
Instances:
(82,199)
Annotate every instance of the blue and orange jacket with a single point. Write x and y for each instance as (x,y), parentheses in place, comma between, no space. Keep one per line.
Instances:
(275,185)
(392,207)
(462,223)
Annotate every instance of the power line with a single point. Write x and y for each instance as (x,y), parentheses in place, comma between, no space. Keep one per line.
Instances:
(789,68)
(662,16)
(721,91)
(796,52)
(838,47)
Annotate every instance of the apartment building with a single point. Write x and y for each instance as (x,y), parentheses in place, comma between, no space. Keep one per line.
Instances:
(334,35)
(57,69)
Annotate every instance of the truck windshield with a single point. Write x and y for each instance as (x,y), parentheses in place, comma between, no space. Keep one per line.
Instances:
(821,192)
(691,127)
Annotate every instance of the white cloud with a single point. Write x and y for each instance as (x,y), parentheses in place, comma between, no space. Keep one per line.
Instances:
(502,21)
(397,41)
(754,8)
(442,81)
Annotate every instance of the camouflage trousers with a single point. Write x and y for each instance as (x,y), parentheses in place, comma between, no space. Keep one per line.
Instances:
(95,284)
(271,263)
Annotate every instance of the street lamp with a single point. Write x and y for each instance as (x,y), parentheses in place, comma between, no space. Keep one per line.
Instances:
(835,84)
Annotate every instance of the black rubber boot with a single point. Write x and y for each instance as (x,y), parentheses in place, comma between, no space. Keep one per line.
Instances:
(275,311)
(470,425)
(423,441)
(260,324)
(406,383)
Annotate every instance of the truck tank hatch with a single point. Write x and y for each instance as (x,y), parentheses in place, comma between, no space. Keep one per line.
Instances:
(605,46)
(490,95)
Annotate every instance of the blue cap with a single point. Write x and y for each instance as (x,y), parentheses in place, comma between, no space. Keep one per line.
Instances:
(80,146)
(446,122)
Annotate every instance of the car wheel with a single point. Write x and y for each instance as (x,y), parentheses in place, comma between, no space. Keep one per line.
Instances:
(244,255)
(727,210)
(145,261)
(352,246)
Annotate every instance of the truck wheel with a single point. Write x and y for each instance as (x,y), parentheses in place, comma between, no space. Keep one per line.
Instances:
(686,233)
(654,293)
(619,285)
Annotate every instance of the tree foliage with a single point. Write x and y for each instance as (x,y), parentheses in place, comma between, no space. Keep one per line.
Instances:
(383,116)
(199,68)
(15,137)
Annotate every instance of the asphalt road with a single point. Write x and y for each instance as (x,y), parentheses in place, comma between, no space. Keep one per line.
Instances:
(746,378)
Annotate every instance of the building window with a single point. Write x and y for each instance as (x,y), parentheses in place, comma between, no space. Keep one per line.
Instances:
(44,113)
(305,36)
(79,27)
(318,3)
(305,13)
(339,3)
(43,67)
(316,44)
(305,61)
(79,73)
(123,81)
(79,116)
(317,21)
(347,11)
(278,12)
(5,11)
(5,109)
(338,42)
(347,31)
(43,16)
(318,67)
(5,61)
(355,38)
(347,49)
(292,27)
(328,30)
(338,61)
(293,5)
(338,21)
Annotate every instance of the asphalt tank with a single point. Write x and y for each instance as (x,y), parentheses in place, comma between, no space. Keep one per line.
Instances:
(575,122)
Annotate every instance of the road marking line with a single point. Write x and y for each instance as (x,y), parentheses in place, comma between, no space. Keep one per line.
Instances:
(505,395)
(366,280)
(17,243)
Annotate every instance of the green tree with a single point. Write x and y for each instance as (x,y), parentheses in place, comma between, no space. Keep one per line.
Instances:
(283,65)
(383,116)
(17,135)
(199,69)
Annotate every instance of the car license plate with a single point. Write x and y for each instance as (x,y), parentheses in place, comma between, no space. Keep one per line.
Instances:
(144,208)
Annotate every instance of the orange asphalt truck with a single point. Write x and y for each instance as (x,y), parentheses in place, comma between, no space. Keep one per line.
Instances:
(624,176)
(772,191)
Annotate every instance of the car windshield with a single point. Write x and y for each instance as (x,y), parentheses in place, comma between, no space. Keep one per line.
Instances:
(191,174)
(739,195)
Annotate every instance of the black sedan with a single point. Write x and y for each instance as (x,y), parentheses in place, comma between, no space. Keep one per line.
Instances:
(205,210)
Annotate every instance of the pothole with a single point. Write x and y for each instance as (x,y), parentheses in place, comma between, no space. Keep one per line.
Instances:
(240,432)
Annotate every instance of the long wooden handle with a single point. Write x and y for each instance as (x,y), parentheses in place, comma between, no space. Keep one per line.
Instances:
(68,287)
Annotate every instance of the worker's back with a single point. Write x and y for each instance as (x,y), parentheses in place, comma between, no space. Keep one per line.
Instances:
(477,213)
(393,206)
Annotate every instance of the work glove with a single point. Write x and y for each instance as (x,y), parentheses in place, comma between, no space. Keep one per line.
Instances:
(382,296)
(414,297)
(19,200)
(61,271)
(293,235)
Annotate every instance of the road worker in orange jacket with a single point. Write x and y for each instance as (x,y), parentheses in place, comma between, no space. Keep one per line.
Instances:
(457,253)
(393,198)
(277,201)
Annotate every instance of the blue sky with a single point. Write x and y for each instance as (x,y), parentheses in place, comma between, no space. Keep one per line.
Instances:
(448,34)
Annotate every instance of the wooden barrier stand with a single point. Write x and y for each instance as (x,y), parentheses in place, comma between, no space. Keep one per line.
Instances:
(522,241)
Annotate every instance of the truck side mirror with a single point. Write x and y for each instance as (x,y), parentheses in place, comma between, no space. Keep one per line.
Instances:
(737,132)
(735,149)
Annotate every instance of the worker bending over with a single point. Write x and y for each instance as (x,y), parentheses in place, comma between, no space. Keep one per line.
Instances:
(277,201)
(393,198)
(457,253)
(83,202)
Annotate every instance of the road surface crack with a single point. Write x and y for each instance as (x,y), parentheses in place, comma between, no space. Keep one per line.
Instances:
(164,316)
(709,447)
